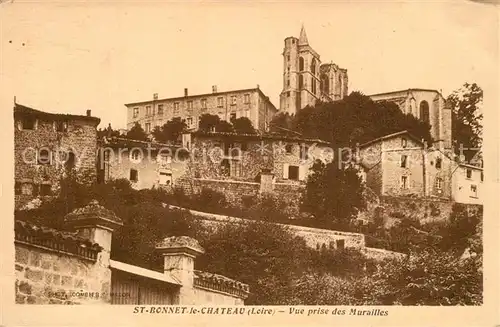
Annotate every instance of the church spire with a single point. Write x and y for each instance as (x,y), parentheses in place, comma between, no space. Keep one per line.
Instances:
(303,36)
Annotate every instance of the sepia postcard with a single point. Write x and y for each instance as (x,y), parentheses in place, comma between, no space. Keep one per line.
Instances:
(199,163)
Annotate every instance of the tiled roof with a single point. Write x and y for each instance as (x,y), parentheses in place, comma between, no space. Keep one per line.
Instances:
(220,283)
(385,137)
(262,136)
(60,241)
(124,142)
(24,110)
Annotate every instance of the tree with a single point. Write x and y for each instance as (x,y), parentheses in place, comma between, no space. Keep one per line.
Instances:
(209,123)
(224,127)
(282,123)
(466,104)
(356,119)
(333,194)
(137,133)
(171,131)
(427,277)
(243,125)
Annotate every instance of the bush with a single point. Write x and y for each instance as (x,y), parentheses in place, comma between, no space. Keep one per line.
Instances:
(428,277)
(210,200)
(279,267)
(269,207)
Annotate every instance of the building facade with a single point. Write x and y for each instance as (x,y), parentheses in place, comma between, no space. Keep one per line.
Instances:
(228,105)
(401,165)
(145,164)
(48,147)
(467,184)
(427,105)
(243,157)
(305,79)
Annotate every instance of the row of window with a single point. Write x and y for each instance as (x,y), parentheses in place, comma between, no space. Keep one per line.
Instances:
(31,123)
(189,106)
(191,122)
(46,157)
(302,64)
(303,85)
(438,185)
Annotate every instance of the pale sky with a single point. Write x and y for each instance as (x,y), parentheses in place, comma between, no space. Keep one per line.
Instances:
(99,56)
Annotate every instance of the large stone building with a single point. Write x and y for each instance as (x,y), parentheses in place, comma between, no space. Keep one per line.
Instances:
(305,79)
(228,105)
(48,147)
(427,105)
(243,157)
(401,165)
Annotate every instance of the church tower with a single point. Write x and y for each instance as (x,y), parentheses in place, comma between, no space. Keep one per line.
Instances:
(301,78)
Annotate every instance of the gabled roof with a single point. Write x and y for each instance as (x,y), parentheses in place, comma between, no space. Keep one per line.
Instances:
(406,91)
(21,111)
(389,136)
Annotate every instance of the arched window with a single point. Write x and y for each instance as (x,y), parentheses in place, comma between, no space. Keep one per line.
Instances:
(301,64)
(313,66)
(301,81)
(325,84)
(313,85)
(424,111)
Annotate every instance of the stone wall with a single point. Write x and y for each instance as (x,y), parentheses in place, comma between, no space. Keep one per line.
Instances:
(236,191)
(34,178)
(46,277)
(209,297)
(422,209)
(315,238)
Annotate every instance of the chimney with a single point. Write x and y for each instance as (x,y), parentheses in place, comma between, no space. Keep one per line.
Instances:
(258,86)
(214,88)
(88,112)
(185,92)
(155,96)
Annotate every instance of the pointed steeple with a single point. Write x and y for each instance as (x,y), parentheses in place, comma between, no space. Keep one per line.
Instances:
(303,36)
